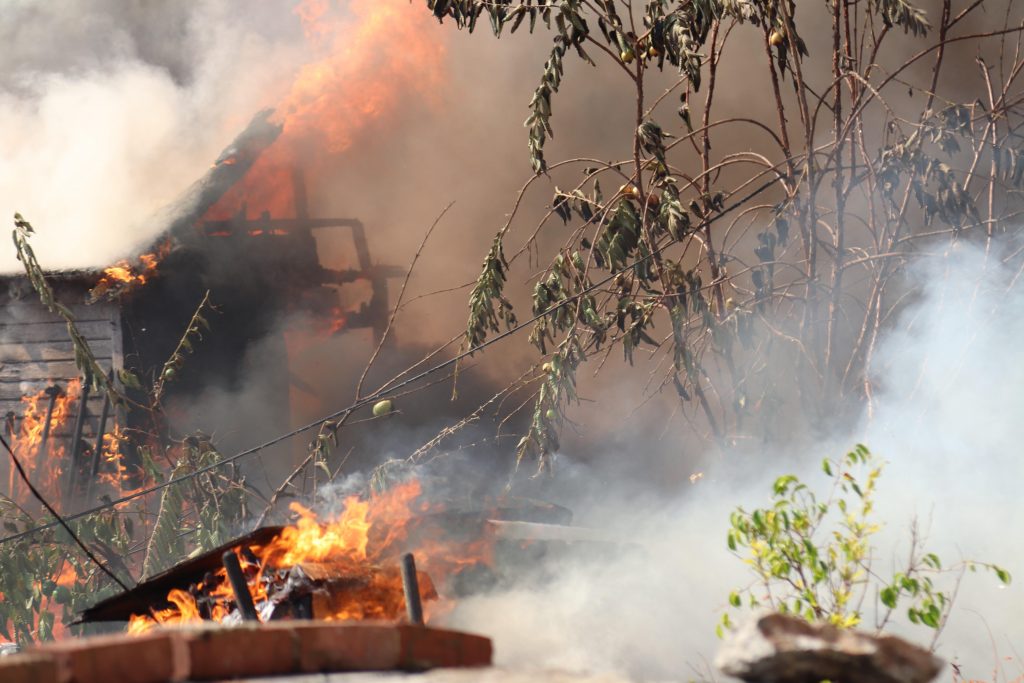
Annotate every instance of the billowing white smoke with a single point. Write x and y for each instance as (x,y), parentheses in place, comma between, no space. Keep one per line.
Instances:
(109,110)
(947,422)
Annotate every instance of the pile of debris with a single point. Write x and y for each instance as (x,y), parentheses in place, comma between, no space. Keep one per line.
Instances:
(779,648)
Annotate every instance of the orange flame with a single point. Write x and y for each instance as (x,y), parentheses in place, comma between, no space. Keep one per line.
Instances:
(373,55)
(359,547)
(114,471)
(45,472)
(124,276)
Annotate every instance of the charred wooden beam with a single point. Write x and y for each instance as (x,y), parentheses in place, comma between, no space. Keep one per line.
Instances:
(246,226)
(229,168)
(243,598)
(52,392)
(373,273)
(76,439)
(535,531)
(94,469)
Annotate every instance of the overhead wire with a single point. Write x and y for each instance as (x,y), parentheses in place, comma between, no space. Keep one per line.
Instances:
(59,520)
(366,400)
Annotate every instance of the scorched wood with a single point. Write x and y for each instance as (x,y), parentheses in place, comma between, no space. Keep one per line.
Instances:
(230,167)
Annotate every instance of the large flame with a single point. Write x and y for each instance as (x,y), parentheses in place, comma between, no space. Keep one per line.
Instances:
(372,55)
(369,56)
(44,467)
(362,544)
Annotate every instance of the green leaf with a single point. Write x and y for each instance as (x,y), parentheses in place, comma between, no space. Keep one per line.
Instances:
(129,379)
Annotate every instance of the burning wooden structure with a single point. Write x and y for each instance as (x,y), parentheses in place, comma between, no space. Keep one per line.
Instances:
(257,269)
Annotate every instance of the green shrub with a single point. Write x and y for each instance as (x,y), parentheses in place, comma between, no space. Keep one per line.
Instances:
(812,555)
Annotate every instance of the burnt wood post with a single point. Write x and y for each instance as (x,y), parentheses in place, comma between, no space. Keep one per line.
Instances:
(9,419)
(411,588)
(100,431)
(76,438)
(243,598)
(53,392)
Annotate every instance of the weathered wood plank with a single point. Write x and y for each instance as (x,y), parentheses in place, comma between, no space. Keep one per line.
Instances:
(33,312)
(14,402)
(54,331)
(51,351)
(43,371)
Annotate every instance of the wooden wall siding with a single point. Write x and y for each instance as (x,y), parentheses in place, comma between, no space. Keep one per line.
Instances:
(35,351)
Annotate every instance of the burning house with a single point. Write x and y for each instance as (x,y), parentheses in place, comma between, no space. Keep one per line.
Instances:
(256,269)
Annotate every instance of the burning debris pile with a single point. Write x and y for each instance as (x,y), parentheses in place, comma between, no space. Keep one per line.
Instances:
(346,567)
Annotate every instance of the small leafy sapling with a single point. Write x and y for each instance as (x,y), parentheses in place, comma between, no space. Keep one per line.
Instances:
(812,556)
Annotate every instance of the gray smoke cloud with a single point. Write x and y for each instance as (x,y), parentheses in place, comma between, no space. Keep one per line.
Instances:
(109,110)
(944,422)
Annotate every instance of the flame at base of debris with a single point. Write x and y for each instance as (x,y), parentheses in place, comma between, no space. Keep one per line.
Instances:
(344,568)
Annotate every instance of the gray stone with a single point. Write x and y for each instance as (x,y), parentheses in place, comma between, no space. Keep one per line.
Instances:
(779,648)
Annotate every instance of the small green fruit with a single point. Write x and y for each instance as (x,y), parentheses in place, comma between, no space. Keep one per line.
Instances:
(551,414)
(382,408)
(627,56)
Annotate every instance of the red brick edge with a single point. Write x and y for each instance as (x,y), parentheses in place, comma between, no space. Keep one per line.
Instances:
(220,652)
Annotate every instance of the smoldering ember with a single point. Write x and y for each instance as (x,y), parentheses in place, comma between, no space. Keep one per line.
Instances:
(511,340)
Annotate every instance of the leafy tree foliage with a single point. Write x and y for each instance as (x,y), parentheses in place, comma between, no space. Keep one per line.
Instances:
(789,254)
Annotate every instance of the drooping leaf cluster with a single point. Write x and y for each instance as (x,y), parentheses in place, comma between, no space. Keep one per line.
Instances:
(646,253)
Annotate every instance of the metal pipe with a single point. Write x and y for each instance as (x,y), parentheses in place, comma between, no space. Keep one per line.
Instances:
(411,587)
(243,598)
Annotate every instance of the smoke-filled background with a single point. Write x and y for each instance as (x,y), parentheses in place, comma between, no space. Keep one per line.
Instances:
(109,110)
(946,426)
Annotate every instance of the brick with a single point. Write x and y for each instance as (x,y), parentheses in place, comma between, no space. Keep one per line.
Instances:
(327,646)
(220,652)
(245,650)
(157,657)
(29,669)
(428,648)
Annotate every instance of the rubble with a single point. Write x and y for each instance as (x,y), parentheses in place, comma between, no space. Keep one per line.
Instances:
(779,648)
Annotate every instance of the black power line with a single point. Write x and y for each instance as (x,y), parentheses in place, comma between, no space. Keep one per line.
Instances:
(60,520)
